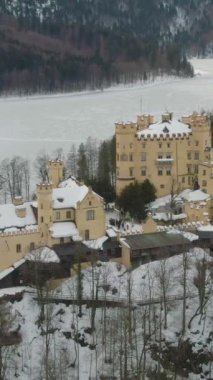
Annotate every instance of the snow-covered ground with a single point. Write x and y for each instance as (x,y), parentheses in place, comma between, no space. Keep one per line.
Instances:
(116,283)
(29,124)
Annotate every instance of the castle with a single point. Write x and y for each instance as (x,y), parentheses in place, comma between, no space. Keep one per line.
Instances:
(64,211)
(169,153)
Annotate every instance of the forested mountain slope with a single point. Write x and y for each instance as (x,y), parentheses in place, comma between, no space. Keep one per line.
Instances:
(61,45)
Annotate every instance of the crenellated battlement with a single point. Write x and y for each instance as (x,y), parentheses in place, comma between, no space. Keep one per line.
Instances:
(163,137)
(44,186)
(178,145)
(124,128)
(143,121)
(196,120)
(55,163)
(20,232)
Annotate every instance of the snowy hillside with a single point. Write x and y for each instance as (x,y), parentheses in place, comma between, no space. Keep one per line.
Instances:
(155,319)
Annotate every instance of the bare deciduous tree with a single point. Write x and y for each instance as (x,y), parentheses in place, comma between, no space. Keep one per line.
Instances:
(41,166)
(9,339)
(15,177)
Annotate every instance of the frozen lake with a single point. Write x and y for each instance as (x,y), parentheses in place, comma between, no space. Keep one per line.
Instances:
(28,125)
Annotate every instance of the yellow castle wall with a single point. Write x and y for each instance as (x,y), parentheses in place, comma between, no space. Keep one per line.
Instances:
(60,215)
(91,229)
(136,159)
(15,247)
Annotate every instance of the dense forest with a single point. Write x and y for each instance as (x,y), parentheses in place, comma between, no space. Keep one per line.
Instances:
(71,45)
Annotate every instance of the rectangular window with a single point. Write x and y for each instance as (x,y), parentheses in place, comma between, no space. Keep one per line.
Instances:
(18,248)
(168,145)
(131,157)
(183,179)
(160,145)
(196,169)
(131,170)
(162,186)
(68,214)
(160,156)
(204,182)
(86,234)
(189,156)
(90,215)
(160,172)
(189,169)
(42,219)
(196,155)
(143,145)
(57,215)
(168,156)
(168,172)
(143,156)
(143,172)
(196,143)
(32,246)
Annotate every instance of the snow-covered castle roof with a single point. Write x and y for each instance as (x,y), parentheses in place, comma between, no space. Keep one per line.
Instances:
(162,129)
(69,193)
(9,218)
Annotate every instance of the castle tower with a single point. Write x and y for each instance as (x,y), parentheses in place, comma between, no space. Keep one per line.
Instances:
(125,152)
(45,212)
(201,132)
(143,121)
(55,172)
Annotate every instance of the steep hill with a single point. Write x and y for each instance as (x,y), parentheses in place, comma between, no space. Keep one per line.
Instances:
(53,44)
(152,323)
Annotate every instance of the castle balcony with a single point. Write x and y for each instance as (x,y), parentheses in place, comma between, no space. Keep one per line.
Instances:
(164,161)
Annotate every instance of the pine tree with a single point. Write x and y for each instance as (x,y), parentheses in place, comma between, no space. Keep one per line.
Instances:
(82,171)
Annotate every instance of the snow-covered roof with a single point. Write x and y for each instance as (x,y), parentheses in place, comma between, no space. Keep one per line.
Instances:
(160,202)
(95,244)
(111,232)
(194,195)
(171,128)
(186,195)
(8,217)
(5,272)
(44,255)
(65,229)
(167,216)
(9,270)
(68,194)
(187,235)
(208,227)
